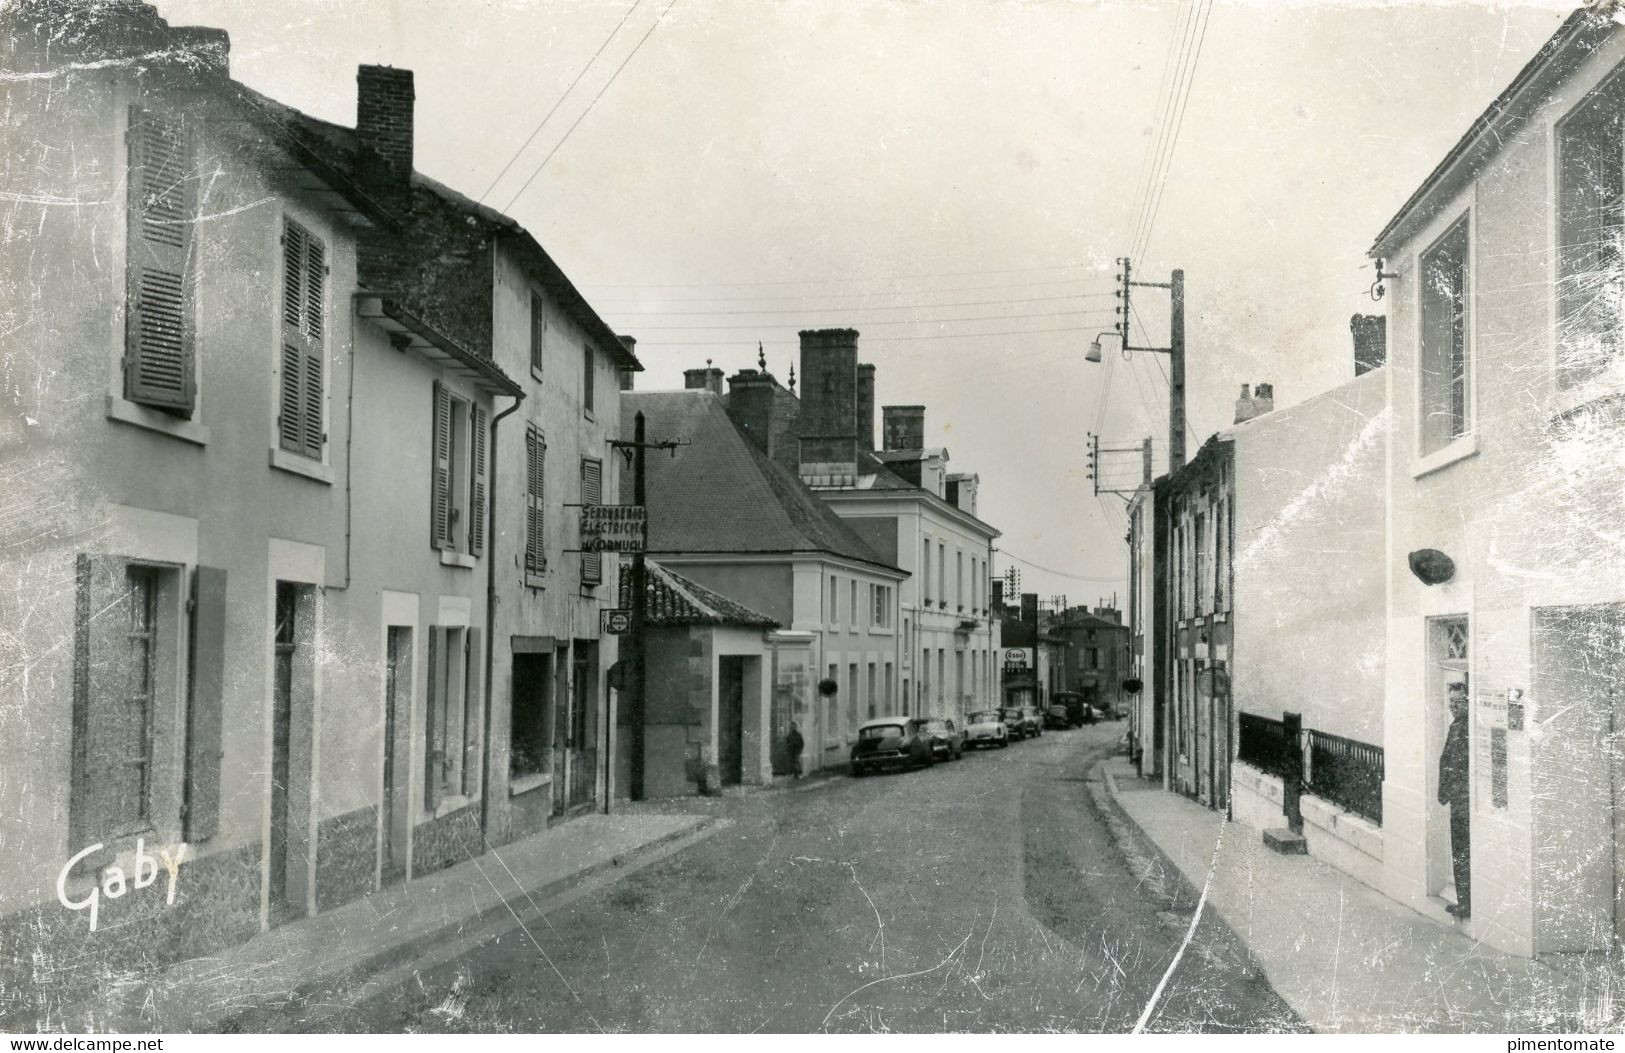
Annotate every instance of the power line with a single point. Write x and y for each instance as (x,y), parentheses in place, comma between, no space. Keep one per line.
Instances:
(872,307)
(1166,123)
(1196,58)
(636,48)
(1057,573)
(902,321)
(1142,181)
(549,115)
(862,278)
(643,344)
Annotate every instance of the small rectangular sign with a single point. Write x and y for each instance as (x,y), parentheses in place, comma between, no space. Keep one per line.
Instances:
(615,621)
(612,528)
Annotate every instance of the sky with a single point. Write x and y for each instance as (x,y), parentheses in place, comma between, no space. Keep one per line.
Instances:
(952,179)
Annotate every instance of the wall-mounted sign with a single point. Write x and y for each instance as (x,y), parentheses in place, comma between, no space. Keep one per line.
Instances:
(1017,659)
(612,528)
(615,621)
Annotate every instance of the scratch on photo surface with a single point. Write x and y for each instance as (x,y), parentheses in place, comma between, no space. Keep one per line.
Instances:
(900,976)
(1190,933)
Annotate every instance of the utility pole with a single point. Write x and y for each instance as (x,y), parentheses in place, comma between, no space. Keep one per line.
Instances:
(1176,371)
(635,680)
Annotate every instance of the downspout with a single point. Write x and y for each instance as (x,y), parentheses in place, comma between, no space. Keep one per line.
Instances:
(490,612)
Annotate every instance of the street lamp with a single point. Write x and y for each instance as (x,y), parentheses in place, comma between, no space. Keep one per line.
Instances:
(1093,354)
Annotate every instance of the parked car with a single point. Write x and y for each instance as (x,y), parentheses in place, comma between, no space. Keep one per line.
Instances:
(947,741)
(1015,723)
(986,728)
(1056,717)
(890,742)
(1073,703)
(1033,718)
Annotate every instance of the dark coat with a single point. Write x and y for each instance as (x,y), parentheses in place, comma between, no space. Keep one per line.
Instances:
(794,742)
(1453,784)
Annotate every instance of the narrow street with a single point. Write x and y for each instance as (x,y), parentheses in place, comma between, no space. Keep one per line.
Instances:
(987,894)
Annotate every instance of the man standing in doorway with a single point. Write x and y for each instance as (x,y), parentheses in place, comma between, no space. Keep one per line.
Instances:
(1455,792)
(794,744)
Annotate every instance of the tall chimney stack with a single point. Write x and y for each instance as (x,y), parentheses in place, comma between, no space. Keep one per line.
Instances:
(829,398)
(903,427)
(383,120)
(709,378)
(866,407)
(1370,342)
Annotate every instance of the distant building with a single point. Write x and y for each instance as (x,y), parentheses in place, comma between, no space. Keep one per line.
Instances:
(1094,656)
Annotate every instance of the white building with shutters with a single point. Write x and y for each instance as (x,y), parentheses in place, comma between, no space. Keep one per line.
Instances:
(250,472)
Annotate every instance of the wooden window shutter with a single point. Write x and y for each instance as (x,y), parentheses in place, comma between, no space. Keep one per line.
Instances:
(101,618)
(300,400)
(535,469)
(587,378)
(433,720)
(159,337)
(473,711)
(440,485)
(592,563)
(477,483)
(204,704)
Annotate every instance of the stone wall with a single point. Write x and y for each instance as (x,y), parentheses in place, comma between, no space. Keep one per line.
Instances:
(346,857)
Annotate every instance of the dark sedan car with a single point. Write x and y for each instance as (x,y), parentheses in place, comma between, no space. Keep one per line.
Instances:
(890,742)
(947,741)
(1033,717)
(1015,722)
(1056,717)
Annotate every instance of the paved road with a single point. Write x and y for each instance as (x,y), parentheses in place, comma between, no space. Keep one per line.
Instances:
(990,894)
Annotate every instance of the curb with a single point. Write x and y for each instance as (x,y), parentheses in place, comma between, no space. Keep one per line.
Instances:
(356,972)
(1114,811)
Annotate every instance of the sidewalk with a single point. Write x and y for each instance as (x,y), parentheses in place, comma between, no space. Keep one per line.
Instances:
(1347,958)
(388,927)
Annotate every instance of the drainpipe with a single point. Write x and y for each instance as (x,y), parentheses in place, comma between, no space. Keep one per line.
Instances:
(490,612)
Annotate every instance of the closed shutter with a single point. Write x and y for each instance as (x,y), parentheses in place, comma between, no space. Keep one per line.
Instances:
(587,378)
(477,485)
(440,484)
(535,479)
(159,341)
(204,718)
(538,331)
(592,564)
(434,719)
(101,619)
(300,400)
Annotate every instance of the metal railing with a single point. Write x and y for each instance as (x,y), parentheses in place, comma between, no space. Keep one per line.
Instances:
(1264,745)
(1346,772)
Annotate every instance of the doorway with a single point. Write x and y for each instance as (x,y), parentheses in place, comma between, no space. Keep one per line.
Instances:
(575,754)
(394,819)
(287,876)
(1576,776)
(1448,654)
(731,720)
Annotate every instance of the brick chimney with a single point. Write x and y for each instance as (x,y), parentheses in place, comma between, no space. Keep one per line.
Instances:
(767,413)
(866,407)
(1263,399)
(709,378)
(1245,410)
(631,345)
(383,120)
(903,427)
(829,400)
(1370,342)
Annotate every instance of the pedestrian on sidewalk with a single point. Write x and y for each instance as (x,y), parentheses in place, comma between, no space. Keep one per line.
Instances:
(1455,793)
(795,743)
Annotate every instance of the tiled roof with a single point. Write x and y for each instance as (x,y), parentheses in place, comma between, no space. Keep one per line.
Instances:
(720,493)
(675,600)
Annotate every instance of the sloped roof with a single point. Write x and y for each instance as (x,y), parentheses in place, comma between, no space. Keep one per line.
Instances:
(675,600)
(721,494)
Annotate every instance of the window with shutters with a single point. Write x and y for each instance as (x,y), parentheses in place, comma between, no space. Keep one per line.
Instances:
(160,366)
(460,484)
(126,646)
(535,507)
(538,332)
(592,493)
(302,366)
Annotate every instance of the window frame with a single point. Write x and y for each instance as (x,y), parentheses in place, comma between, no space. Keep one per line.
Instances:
(589,373)
(1429,451)
(1573,384)
(539,322)
(307,334)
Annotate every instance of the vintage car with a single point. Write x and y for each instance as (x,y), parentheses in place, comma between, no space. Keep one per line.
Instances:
(986,728)
(947,741)
(1015,722)
(1033,719)
(1056,717)
(890,742)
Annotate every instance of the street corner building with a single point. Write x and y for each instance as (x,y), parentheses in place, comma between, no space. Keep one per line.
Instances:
(286,416)
(1305,592)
